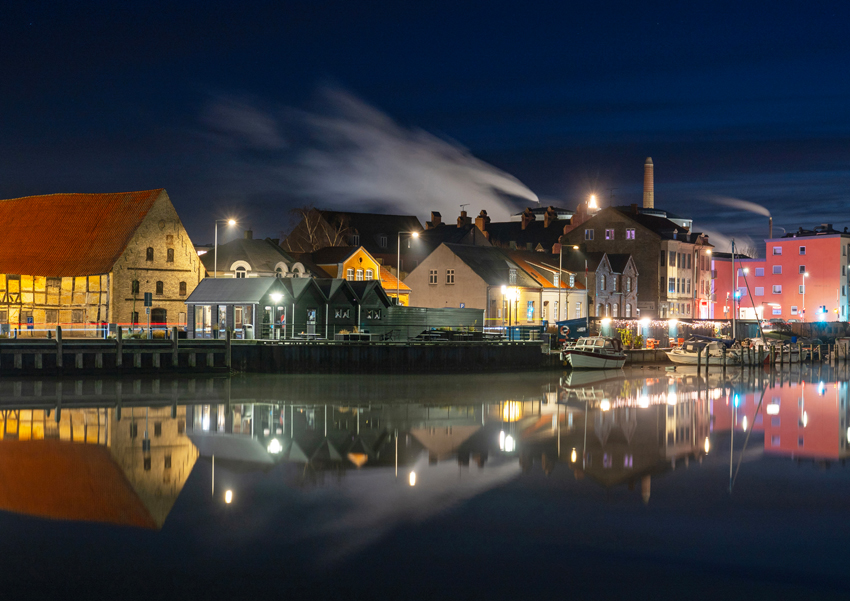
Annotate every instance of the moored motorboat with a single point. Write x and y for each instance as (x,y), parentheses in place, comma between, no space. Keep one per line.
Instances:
(596,352)
(703,352)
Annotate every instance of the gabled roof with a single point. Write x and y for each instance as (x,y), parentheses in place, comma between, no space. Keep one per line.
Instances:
(261,255)
(535,232)
(333,255)
(391,283)
(451,234)
(330,287)
(58,235)
(659,225)
(618,261)
(542,267)
(364,289)
(249,291)
(370,226)
(491,265)
(574,261)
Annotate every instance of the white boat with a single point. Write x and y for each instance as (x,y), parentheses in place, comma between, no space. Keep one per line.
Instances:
(596,352)
(707,352)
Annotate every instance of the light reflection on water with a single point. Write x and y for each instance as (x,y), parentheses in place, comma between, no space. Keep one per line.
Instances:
(357,458)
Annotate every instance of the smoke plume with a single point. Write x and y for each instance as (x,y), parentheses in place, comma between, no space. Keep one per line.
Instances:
(744,205)
(346,154)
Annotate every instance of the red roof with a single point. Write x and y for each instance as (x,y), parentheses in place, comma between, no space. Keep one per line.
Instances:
(69,234)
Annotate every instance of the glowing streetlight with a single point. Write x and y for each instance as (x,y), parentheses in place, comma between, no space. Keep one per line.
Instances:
(228,497)
(411,479)
(398,266)
(230,223)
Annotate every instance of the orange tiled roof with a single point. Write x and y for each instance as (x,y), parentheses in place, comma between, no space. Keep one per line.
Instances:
(69,234)
(389,282)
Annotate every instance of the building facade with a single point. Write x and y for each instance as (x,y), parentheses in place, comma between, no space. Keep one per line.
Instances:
(86,260)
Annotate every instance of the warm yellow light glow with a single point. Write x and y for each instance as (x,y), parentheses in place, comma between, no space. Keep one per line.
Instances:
(744,423)
(708,252)
(643,402)
(412,479)
(575,247)
(805,419)
(358,459)
(504,290)
(606,321)
(415,234)
(673,322)
(228,497)
(511,411)
(707,445)
(605,405)
(592,203)
(644,323)
(231,222)
(805,275)
(746,270)
(573,456)
(772,409)
(671,398)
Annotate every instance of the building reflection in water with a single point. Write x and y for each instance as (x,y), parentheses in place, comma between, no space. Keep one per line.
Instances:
(78,451)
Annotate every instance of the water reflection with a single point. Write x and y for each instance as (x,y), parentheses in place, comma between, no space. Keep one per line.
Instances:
(122,451)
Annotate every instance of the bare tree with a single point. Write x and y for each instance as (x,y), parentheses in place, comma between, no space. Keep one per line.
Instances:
(313,231)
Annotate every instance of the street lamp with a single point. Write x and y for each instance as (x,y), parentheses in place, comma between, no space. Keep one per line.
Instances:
(230,223)
(805,275)
(398,265)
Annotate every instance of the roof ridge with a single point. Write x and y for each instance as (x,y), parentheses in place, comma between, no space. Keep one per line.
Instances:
(152,190)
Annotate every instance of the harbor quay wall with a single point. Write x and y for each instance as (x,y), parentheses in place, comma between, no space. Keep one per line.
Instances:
(387,358)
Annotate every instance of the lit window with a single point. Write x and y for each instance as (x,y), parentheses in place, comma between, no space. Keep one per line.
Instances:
(794,310)
(349,275)
(777,289)
(370,275)
(777,250)
(359,275)
(602,282)
(630,233)
(512,276)
(572,280)
(555,280)
(609,234)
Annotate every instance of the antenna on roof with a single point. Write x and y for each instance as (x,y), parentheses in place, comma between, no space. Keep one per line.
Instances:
(464,205)
(611,192)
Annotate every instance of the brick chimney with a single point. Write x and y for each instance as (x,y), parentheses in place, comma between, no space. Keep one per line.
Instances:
(436,221)
(550,216)
(648,184)
(464,219)
(482,221)
(527,217)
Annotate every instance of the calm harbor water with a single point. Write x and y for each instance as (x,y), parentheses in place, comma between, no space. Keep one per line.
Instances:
(638,483)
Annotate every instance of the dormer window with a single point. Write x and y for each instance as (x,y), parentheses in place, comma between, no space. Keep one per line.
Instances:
(512,276)
(355,239)
(240,272)
(382,240)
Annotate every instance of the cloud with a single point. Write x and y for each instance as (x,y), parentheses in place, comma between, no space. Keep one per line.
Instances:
(237,123)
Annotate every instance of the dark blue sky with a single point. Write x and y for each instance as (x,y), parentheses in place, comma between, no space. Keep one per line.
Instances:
(257,107)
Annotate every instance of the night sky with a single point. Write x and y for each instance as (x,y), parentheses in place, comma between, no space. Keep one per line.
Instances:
(251,109)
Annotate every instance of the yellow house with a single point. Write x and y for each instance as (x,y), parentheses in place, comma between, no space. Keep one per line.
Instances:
(354,263)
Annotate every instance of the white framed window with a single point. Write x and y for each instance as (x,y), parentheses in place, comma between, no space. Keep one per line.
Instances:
(740,272)
(777,311)
(777,250)
(359,275)
(803,269)
(602,282)
(512,276)
(572,280)
(759,272)
(556,280)
(628,308)
(759,291)
(450,276)
(578,310)
(588,234)
(349,274)
(432,276)
(777,269)
(630,233)
(777,289)
(671,285)
(370,275)
(794,310)
(801,289)
(609,234)
(802,250)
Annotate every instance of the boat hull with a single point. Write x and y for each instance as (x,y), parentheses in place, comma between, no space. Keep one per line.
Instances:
(591,360)
(691,359)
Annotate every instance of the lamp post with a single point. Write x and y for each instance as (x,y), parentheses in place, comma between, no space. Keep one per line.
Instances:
(230,223)
(398,265)
(805,275)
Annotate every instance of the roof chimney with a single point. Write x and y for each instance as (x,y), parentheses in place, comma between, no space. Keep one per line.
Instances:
(436,220)
(550,216)
(249,234)
(482,221)
(648,185)
(527,217)
(464,219)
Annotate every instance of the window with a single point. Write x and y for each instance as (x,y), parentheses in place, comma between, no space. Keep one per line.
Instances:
(672,259)
(602,282)
(181,426)
(159,288)
(615,308)
(182,288)
(241,272)
(355,239)
(689,284)
(359,275)
(572,280)
(134,288)
(759,291)
(800,441)
(511,276)
(803,269)
(168,462)
(843,270)
(556,280)
(149,254)
(278,273)
(600,310)
(777,269)
(609,234)
(615,285)
(370,275)
(529,311)
(157,429)
(671,286)
(777,289)
(349,275)
(843,291)
(777,311)
(450,276)
(578,310)
(663,258)
(373,314)
(134,317)
(802,250)
(628,284)
(342,313)
(169,255)
(794,310)
(630,233)
(774,441)
(588,234)
(777,250)
(689,261)
(802,289)
(134,429)
(628,310)
(382,240)
(432,276)
(759,272)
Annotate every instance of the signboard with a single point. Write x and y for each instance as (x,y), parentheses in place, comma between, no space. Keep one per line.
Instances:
(147,310)
(148,300)
(463,305)
(29,322)
(646,306)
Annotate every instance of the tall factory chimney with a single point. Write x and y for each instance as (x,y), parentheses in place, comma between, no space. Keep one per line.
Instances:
(648,185)
(770,227)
